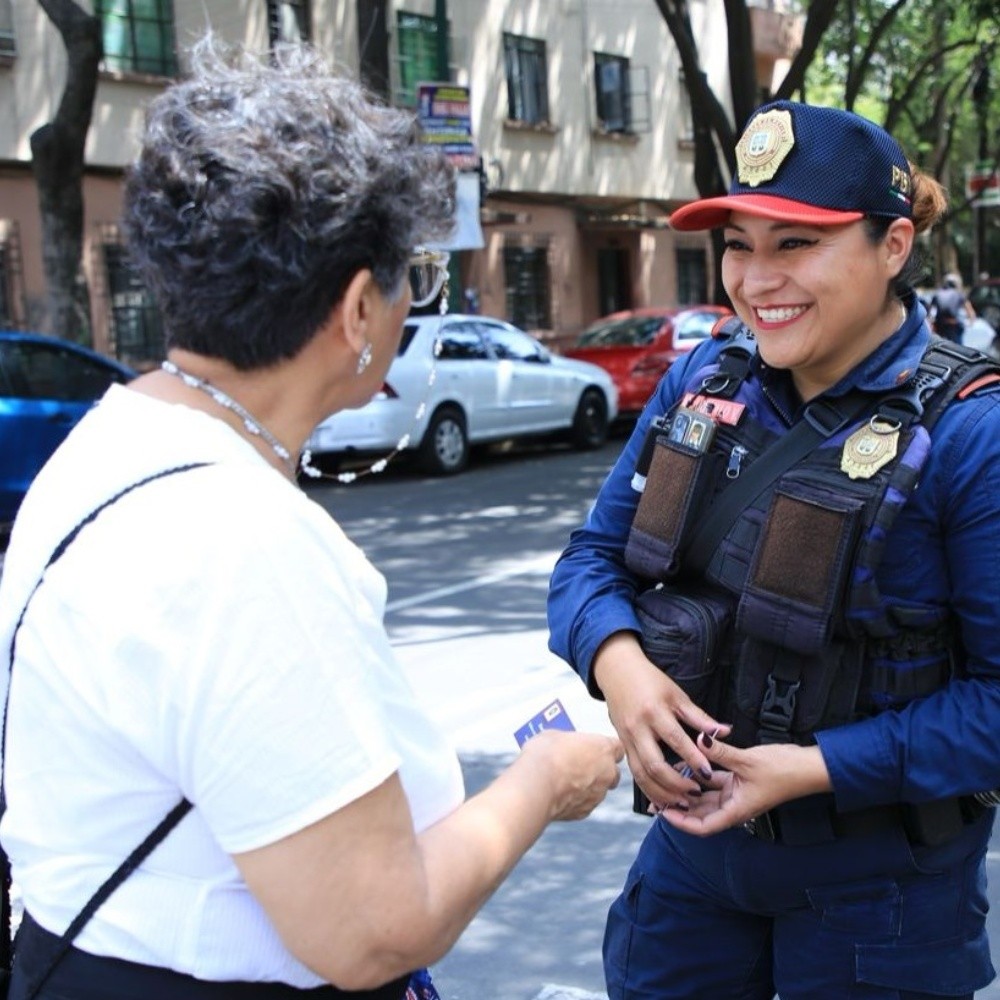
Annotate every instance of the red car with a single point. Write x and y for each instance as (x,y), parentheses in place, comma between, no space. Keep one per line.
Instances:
(637,346)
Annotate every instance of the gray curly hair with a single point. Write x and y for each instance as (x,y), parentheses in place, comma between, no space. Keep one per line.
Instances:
(261,189)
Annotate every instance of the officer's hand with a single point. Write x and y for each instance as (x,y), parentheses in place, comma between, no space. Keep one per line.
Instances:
(646,707)
(746,783)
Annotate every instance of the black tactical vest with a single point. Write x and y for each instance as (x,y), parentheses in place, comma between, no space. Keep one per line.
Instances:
(764,605)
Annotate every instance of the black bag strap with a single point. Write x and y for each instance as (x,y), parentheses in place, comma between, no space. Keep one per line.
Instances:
(144,849)
(821,419)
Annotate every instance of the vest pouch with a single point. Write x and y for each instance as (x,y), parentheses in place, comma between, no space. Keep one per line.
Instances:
(682,633)
(784,697)
(676,477)
(800,565)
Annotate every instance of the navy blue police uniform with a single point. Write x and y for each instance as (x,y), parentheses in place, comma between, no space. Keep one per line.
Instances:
(850,603)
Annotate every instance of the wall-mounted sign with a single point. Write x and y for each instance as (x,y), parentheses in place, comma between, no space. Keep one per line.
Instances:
(446,120)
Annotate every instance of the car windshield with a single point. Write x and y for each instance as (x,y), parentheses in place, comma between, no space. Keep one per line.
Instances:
(635,331)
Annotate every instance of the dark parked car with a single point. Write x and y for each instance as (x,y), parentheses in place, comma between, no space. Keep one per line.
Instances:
(637,346)
(46,386)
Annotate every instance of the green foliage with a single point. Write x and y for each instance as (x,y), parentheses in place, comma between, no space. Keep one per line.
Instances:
(929,71)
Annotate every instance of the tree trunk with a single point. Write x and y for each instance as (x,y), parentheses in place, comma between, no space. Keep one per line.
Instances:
(57,150)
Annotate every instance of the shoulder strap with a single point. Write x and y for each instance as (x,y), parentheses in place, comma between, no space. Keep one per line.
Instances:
(821,419)
(145,848)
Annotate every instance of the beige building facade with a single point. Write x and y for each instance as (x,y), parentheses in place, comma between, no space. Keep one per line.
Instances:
(578,119)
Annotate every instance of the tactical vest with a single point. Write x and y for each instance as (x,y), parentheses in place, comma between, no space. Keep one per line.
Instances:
(772,618)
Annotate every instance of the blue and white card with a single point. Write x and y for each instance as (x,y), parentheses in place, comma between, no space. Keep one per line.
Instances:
(553,716)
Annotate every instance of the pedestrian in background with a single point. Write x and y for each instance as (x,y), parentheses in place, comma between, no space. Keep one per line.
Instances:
(813,642)
(207,650)
(950,309)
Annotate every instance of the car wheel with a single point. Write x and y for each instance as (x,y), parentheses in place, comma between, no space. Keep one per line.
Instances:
(445,447)
(590,423)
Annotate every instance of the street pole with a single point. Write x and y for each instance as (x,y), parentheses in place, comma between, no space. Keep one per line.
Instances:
(443,59)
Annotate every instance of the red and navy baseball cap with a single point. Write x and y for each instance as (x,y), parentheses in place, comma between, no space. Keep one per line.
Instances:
(803,163)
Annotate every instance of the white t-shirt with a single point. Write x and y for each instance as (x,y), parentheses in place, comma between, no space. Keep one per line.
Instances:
(212,635)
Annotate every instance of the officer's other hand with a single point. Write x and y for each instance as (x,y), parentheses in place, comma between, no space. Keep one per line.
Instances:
(581,769)
(746,783)
(647,708)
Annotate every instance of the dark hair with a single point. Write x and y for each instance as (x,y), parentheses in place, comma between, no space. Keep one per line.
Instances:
(929,204)
(261,189)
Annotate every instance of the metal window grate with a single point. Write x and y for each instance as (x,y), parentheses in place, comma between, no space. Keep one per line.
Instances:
(11,275)
(612,81)
(135,324)
(527,79)
(528,285)
(692,275)
(8,41)
(417,54)
(288,21)
(138,36)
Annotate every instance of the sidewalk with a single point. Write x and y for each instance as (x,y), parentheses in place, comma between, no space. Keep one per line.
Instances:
(539,937)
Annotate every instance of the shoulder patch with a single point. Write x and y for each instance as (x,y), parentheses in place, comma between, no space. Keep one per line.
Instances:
(976,384)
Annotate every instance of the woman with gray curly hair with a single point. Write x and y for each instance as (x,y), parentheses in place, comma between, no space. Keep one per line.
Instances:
(227,691)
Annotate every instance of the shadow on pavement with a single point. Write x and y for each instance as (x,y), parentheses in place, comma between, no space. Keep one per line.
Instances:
(542,931)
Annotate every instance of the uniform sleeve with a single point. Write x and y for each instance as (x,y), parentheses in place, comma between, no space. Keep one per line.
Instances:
(948,553)
(591,592)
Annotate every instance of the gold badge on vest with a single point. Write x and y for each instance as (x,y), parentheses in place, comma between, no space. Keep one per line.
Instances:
(869,448)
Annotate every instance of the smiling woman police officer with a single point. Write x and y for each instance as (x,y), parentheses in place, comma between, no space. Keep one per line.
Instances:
(782,614)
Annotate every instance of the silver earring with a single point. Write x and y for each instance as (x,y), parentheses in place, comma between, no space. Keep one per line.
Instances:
(364,358)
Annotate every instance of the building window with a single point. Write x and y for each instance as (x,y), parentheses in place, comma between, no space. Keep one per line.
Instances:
(136,327)
(527,281)
(614,99)
(138,36)
(288,21)
(8,42)
(692,276)
(11,277)
(418,55)
(614,282)
(527,79)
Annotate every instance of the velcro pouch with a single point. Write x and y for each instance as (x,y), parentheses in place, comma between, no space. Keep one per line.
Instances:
(676,475)
(799,568)
(682,633)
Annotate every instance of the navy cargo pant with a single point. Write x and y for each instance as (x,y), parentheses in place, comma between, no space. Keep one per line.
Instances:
(732,917)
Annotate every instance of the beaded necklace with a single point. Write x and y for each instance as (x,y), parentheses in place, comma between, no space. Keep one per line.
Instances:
(252,425)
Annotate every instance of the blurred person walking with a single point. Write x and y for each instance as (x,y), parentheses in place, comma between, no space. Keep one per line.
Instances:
(950,310)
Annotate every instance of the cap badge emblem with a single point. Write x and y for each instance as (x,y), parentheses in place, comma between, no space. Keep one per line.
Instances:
(869,448)
(762,148)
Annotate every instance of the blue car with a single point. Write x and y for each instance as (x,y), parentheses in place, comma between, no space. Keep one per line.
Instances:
(46,386)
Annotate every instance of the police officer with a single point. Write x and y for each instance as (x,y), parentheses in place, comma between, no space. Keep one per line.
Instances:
(800,649)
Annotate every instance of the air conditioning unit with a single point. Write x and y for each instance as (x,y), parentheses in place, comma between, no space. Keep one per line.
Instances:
(8,44)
